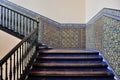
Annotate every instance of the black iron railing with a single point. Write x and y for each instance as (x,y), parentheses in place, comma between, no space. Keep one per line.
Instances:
(18,61)
(19,23)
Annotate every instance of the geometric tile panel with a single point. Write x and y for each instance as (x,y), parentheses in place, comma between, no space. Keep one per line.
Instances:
(70,38)
(83,37)
(63,37)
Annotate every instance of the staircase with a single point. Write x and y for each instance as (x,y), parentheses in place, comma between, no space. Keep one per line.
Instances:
(69,64)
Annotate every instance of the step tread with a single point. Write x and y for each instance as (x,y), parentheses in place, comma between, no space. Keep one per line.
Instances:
(80,57)
(67,51)
(69,65)
(70,73)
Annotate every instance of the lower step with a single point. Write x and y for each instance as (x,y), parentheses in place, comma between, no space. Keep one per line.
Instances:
(62,75)
(81,74)
(69,69)
(67,78)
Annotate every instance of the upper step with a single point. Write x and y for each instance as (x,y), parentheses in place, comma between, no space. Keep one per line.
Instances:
(68,51)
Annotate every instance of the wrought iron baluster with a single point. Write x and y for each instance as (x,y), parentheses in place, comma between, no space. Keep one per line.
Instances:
(1,15)
(20,59)
(6,75)
(17,22)
(27,52)
(7,18)
(27,26)
(17,63)
(4,17)
(1,72)
(35,25)
(25,55)
(37,35)
(10,74)
(30,27)
(24,25)
(11,19)
(14,21)
(20,25)
(31,24)
(22,56)
(14,67)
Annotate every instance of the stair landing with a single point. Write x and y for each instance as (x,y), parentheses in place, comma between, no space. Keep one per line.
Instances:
(60,50)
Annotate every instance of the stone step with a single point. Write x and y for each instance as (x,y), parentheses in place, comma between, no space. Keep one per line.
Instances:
(71,57)
(71,74)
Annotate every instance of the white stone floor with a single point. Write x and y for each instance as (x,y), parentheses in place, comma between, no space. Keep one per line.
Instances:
(7,42)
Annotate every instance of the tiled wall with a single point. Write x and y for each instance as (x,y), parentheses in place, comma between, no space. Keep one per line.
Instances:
(94,35)
(63,36)
(73,37)
(51,35)
(111,42)
(103,34)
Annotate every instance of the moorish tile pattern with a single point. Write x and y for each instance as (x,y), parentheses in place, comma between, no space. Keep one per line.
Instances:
(70,37)
(103,34)
(111,38)
(51,35)
(63,37)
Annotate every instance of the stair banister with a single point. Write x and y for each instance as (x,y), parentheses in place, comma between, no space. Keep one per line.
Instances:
(16,64)
(16,23)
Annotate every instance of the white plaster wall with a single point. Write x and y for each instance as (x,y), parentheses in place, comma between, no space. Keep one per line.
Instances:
(63,11)
(94,6)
